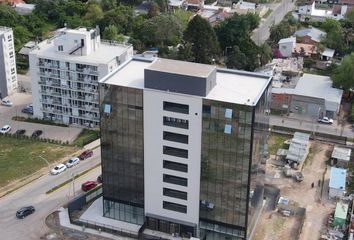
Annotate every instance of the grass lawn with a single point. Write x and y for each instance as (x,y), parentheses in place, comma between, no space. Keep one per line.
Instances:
(86,136)
(19,157)
(275,142)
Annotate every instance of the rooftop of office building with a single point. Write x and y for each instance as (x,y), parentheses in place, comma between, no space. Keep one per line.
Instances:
(232,86)
(79,45)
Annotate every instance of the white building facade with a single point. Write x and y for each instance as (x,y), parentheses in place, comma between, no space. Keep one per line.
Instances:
(8,73)
(179,141)
(65,71)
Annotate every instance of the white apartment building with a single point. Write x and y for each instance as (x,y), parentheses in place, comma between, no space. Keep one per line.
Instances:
(65,71)
(8,74)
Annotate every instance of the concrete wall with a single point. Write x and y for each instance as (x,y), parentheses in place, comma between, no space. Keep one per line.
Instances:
(309,106)
(279,100)
(153,156)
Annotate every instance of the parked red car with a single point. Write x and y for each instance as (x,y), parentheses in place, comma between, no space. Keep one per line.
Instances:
(86,154)
(88,185)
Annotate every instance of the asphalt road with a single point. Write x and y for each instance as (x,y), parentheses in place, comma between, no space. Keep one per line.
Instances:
(261,34)
(33,226)
(313,126)
(20,100)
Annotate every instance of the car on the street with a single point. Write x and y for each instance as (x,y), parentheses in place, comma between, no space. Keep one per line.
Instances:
(28,110)
(326,120)
(88,185)
(5,129)
(99,179)
(20,132)
(24,212)
(6,102)
(58,169)
(72,162)
(37,133)
(86,154)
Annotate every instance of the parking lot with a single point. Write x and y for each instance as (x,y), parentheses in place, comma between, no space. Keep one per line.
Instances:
(21,100)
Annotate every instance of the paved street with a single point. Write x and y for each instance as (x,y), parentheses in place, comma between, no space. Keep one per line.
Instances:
(33,226)
(334,129)
(261,34)
(21,100)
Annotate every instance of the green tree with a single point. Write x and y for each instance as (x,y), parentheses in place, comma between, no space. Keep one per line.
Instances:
(163,5)
(154,10)
(185,52)
(121,17)
(111,33)
(343,76)
(94,14)
(236,59)
(334,38)
(21,36)
(107,5)
(183,17)
(265,54)
(279,31)
(201,36)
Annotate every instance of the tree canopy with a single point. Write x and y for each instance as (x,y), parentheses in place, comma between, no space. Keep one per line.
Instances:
(202,39)
(343,76)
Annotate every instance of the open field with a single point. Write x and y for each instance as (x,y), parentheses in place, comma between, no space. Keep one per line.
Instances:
(20,157)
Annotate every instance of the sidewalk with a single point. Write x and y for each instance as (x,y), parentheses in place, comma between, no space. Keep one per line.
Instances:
(65,222)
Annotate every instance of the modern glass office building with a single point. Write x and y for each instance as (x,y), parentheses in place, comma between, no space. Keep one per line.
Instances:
(182,148)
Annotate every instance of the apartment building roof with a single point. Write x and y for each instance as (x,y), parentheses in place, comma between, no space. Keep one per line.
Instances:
(232,86)
(104,53)
(4,30)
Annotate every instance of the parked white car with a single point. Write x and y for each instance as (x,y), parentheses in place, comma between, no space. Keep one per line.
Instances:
(72,162)
(5,129)
(6,102)
(325,120)
(58,169)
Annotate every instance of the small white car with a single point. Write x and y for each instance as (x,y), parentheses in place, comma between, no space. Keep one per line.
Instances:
(6,102)
(5,129)
(58,169)
(325,120)
(72,162)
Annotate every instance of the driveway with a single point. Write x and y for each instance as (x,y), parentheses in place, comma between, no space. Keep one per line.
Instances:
(261,34)
(20,100)
(33,226)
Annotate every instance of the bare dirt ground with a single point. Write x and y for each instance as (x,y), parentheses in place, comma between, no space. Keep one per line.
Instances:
(314,200)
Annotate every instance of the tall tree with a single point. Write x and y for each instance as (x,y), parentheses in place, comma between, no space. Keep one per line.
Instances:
(279,31)
(94,14)
(111,33)
(343,76)
(265,54)
(201,36)
(121,17)
(334,38)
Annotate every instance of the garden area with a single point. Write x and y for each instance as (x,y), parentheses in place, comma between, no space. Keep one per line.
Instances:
(20,157)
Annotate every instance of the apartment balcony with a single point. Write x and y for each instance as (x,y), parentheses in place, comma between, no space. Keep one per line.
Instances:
(51,110)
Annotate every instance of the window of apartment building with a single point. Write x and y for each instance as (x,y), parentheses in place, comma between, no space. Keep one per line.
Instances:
(9,38)
(60,48)
(12,70)
(174,193)
(175,137)
(206,110)
(175,180)
(175,166)
(176,122)
(227,129)
(176,152)
(228,113)
(176,107)
(107,108)
(11,54)
(174,207)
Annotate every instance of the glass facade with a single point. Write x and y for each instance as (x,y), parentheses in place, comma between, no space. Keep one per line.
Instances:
(233,140)
(122,153)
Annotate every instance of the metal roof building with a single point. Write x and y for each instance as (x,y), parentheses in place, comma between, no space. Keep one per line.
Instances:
(298,147)
(337,182)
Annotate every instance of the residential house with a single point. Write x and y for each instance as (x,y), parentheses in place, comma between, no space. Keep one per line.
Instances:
(24,8)
(327,54)
(310,35)
(337,182)
(341,157)
(286,46)
(304,50)
(194,5)
(310,12)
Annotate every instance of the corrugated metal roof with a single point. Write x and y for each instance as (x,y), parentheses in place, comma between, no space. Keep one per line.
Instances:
(298,145)
(341,153)
(341,210)
(338,178)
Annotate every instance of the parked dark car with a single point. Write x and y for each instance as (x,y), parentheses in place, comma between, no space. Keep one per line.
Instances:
(20,132)
(27,110)
(86,154)
(37,133)
(24,212)
(99,179)
(88,185)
